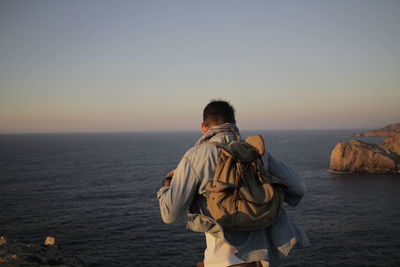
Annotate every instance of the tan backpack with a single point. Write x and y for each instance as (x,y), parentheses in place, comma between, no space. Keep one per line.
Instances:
(243,196)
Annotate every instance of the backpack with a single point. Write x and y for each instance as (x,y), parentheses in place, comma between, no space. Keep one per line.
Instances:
(243,196)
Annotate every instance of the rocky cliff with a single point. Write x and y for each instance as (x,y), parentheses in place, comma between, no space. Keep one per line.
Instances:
(391,143)
(385,131)
(359,156)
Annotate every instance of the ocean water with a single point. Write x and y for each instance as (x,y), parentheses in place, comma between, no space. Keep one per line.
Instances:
(95,192)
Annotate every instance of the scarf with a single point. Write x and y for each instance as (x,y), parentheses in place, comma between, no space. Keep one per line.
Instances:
(223,128)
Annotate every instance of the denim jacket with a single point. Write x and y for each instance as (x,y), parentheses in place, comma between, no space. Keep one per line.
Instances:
(186,193)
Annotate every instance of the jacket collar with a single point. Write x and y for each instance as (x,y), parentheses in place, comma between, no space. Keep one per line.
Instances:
(223,128)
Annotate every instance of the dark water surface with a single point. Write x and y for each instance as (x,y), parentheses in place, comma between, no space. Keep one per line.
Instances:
(96,194)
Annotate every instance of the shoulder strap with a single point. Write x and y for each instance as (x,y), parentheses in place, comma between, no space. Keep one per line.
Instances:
(256,141)
(236,136)
(224,148)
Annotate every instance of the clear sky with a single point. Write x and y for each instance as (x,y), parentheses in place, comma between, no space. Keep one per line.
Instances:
(80,65)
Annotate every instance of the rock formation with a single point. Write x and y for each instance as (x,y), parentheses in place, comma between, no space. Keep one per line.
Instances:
(391,143)
(385,131)
(359,156)
(16,254)
(50,241)
(359,134)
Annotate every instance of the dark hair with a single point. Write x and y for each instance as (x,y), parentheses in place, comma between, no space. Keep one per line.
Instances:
(218,112)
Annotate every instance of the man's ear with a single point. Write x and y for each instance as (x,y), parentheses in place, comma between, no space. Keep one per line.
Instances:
(203,128)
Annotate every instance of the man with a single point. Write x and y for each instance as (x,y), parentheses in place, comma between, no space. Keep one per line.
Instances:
(184,189)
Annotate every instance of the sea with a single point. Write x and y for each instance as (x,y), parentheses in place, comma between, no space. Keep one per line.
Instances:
(96,194)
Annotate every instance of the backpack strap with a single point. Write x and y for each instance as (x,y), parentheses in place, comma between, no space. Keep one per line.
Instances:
(237,151)
(223,147)
(236,136)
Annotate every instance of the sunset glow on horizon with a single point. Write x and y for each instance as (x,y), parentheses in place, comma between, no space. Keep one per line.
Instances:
(72,66)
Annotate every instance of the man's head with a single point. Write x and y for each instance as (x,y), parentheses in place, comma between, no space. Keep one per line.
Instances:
(217,112)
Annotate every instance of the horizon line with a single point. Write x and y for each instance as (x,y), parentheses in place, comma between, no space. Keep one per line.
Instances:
(172,131)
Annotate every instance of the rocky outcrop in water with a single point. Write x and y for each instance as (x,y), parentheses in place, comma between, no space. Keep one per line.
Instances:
(385,131)
(13,253)
(359,156)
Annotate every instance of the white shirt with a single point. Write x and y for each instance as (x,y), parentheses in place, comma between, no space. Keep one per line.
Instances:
(219,253)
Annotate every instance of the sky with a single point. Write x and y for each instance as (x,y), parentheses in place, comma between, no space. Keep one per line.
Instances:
(95,65)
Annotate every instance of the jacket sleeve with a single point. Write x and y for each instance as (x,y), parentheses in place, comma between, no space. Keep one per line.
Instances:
(175,199)
(295,186)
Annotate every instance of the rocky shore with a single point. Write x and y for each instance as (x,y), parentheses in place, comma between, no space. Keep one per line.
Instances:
(385,131)
(13,253)
(359,156)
